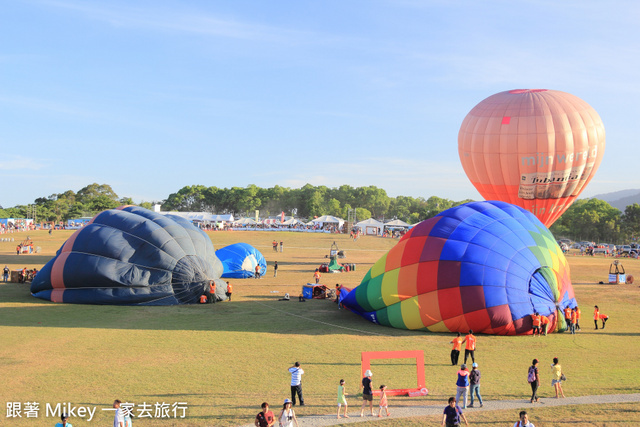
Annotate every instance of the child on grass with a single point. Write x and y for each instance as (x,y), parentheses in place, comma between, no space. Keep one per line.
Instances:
(383,401)
(342,399)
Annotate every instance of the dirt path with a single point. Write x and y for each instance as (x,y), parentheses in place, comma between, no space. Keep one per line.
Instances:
(495,405)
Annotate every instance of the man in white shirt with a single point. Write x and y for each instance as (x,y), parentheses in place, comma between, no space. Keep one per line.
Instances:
(118,419)
(296,383)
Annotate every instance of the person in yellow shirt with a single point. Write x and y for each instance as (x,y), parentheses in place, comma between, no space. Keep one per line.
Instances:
(455,352)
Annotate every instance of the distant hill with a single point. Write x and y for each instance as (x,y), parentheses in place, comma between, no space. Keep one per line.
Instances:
(620,199)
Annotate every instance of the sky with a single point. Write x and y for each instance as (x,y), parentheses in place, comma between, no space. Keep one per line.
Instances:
(152,96)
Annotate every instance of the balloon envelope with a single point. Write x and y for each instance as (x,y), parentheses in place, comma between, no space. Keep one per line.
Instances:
(130,255)
(485,266)
(240,260)
(535,148)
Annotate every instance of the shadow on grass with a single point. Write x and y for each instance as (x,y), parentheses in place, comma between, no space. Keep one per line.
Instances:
(267,315)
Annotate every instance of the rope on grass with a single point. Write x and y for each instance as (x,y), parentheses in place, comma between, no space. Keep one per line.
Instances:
(324,323)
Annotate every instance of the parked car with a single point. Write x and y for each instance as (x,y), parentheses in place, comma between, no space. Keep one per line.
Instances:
(625,249)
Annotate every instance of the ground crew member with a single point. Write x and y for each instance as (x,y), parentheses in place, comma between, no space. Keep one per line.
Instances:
(544,320)
(229,290)
(535,319)
(573,321)
(470,347)
(596,315)
(212,291)
(455,351)
(317,276)
(203,299)
(577,309)
(604,318)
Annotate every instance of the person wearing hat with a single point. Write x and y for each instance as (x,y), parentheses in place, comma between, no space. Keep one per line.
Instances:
(474,381)
(287,416)
(296,383)
(63,422)
(367,393)
(462,385)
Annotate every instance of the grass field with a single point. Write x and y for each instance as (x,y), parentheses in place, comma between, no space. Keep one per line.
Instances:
(225,360)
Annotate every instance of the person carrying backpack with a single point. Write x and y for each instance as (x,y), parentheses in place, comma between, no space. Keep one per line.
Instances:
(534,379)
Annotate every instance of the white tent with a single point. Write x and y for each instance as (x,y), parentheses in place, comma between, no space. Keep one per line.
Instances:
(201,216)
(328,219)
(396,223)
(370,226)
(245,221)
(291,221)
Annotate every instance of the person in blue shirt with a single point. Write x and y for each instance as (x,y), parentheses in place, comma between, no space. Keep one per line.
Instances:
(63,422)
(452,413)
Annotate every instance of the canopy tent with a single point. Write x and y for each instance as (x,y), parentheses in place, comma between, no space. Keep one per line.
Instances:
(396,223)
(370,226)
(245,221)
(291,221)
(201,216)
(328,219)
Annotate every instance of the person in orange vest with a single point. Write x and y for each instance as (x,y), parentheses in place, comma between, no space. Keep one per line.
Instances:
(257,275)
(470,347)
(455,352)
(544,320)
(203,299)
(229,290)
(567,317)
(596,315)
(535,320)
(604,319)
(573,321)
(317,276)
(577,309)
(212,291)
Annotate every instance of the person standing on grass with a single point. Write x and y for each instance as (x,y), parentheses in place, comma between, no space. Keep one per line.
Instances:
(574,321)
(296,383)
(544,321)
(317,276)
(265,418)
(384,404)
(281,247)
(567,317)
(470,347)
(118,418)
(212,291)
(229,290)
(474,381)
(596,315)
(367,393)
(455,351)
(556,377)
(257,275)
(535,320)
(452,413)
(275,269)
(577,309)
(287,415)
(533,377)
(462,385)
(524,420)
(342,399)
(5,273)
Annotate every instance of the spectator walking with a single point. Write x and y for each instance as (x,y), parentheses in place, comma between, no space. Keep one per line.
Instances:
(452,413)
(474,384)
(281,247)
(5,273)
(287,416)
(296,383)
(455,351)
(462,385)
(275,269)
(557,377)
(342,399)
(265,418)
(63,421)
(384,404)
(524,420)
(470,347)
(367,393)
(533,377)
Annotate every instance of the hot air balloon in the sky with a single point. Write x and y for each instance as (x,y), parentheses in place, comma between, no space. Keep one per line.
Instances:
(535,148)
(485,266)
(128,256)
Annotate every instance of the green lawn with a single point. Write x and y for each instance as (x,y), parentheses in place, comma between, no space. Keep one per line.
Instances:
(225,360)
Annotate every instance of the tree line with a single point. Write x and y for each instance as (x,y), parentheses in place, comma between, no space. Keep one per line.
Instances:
(586,219)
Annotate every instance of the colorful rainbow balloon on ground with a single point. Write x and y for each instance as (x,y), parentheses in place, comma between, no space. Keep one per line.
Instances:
(485,266)
(535,148)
